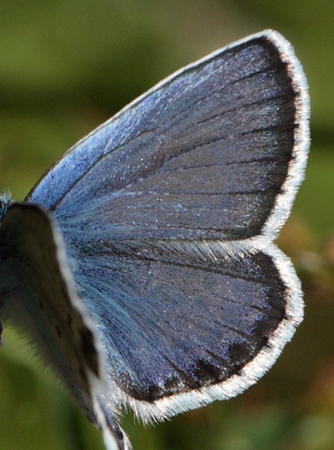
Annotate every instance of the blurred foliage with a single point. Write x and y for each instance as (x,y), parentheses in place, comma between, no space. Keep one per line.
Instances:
(67,66)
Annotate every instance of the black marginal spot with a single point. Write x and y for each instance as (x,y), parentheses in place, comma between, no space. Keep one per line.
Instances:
(204,374)
(207,373)
(154,392)
(265,341)
(174,384)
(41,306)
(88,348)
(241,354)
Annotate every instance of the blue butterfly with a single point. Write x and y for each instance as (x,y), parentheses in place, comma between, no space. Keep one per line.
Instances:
(142,263)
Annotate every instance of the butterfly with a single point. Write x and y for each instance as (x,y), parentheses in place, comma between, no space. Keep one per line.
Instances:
(142,264)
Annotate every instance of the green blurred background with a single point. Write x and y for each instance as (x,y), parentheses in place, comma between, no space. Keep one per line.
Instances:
(67,66)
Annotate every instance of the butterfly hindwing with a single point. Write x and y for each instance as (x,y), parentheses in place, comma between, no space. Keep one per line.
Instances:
(176,331)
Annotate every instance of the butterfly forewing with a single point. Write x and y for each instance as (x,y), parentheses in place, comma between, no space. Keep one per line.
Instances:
(202,156)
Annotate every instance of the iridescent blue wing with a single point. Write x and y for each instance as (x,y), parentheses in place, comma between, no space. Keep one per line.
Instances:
(168,212)
(183,329)
(213,152)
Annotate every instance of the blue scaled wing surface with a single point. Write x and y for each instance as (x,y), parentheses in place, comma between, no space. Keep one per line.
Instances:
(168,212)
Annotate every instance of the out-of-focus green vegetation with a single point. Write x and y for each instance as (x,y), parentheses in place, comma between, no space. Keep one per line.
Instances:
(67,66)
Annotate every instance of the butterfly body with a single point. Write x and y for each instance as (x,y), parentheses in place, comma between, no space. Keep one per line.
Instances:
(157,284)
